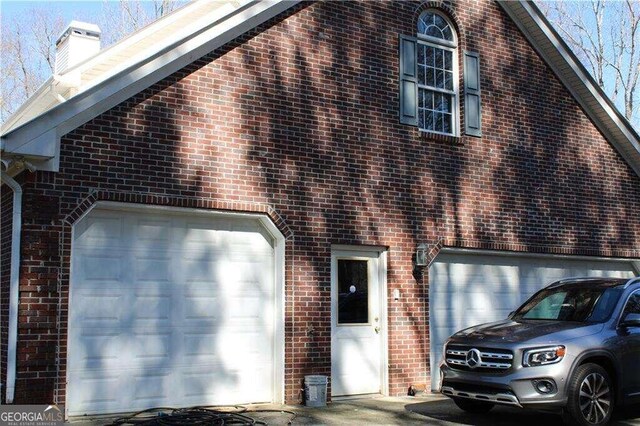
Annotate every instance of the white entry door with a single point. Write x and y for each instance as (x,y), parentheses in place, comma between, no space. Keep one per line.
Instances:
(356,323)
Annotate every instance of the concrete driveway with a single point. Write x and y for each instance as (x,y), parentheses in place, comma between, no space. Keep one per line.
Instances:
(444,412)
(429,410)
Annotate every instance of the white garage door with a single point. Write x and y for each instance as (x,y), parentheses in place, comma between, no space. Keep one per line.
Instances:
(470,289)
(172,310)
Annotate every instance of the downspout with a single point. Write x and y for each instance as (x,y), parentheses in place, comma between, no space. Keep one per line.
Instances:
(14,284)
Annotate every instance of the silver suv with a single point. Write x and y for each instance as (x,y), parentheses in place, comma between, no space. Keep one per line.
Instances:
(574,346)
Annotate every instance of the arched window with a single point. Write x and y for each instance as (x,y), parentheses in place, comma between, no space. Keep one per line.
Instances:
(437,77)
(429,96)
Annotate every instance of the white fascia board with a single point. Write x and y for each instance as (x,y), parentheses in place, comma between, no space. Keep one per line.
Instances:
(85,106)
(48,93)
(618,130)
(41,92)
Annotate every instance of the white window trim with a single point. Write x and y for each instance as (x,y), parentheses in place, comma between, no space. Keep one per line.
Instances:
(451,46)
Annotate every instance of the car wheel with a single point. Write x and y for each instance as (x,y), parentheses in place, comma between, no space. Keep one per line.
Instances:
(590,396)
(473,406)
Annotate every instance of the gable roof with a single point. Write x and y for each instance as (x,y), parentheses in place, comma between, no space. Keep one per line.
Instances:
(66,101)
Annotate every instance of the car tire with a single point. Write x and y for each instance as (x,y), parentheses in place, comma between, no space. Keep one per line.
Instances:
(590,396)
(473,406)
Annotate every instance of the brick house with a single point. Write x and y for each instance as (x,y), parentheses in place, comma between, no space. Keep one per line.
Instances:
(244,193)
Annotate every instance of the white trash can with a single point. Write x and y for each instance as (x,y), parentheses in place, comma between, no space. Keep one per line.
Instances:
(315,391)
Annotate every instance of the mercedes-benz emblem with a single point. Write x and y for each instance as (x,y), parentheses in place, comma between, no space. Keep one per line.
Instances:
(473,358)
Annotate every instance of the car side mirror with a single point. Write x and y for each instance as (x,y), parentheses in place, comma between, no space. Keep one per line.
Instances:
(630,320)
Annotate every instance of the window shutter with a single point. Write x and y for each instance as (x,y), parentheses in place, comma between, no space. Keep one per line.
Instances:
(408,81)
(472,106)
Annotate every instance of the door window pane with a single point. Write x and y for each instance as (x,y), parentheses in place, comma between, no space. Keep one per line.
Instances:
(353,291)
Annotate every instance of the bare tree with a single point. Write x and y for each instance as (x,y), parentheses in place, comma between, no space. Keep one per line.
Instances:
(605,36)
(27,52)
(45,30)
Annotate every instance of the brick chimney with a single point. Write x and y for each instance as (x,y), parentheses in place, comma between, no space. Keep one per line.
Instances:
(77,42)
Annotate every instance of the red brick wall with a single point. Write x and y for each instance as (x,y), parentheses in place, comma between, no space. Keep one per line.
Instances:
(301,115)
(39,301)
(37,312)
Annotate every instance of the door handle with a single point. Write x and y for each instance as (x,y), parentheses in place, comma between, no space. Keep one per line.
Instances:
(377,329)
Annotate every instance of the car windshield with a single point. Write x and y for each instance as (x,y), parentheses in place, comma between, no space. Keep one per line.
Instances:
(570,304)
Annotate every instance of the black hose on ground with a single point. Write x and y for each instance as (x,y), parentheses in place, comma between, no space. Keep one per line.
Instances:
(163,416)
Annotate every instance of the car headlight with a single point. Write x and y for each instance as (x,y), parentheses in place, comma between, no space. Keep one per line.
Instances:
(543,356)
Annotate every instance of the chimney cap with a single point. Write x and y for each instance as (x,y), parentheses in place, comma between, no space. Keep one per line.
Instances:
(83,28)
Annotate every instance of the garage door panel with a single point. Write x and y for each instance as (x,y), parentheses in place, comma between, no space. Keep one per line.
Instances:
(201,310)
(226,385)
(244,348)
(100,349)
(150,349)
(153,388)
(201,347)
(152,269)
(153,231)
(99,390)
(152,309)
(101,229)
(245,308)
(210,384)
(167,315)
(202,268)
(229,231)
(469,289)
(239,346)
(100,308)
(231,278)
(101,267)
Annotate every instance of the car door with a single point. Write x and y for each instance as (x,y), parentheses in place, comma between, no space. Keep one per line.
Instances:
(629,349)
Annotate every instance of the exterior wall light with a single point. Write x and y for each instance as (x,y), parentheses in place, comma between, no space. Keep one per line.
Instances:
(421,255)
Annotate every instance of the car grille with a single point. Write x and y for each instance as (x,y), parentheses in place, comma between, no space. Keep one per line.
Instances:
(486,359)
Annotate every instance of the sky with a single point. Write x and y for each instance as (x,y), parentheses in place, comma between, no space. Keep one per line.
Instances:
(79,10)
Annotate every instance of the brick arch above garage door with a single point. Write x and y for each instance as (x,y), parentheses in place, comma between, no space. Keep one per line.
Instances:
(86,203)
(173,307)
(468,287)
